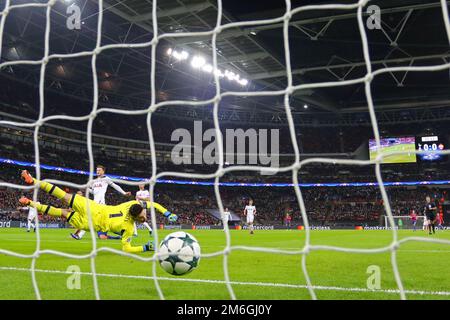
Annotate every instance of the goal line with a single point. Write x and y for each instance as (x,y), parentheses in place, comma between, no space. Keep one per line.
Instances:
(242,283)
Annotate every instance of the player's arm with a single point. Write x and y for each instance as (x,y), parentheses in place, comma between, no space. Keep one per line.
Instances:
(127,235)
(138,198)
(245,211)
(116,187)
(166,213)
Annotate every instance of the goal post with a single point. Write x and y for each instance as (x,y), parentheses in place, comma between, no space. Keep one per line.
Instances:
(405,222)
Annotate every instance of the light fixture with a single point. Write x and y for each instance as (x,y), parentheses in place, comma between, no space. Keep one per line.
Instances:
(184,55)
(207,68)
(243,82)
(177,55)
(305,106)
(198,62)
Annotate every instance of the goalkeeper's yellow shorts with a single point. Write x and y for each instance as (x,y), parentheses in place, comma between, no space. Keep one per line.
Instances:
(78,218)
(78,221)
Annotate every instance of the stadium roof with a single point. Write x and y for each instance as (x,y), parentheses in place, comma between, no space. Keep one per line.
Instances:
(325,45)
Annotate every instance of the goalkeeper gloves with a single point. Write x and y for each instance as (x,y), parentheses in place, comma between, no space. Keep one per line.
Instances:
(148,246)
(171,216)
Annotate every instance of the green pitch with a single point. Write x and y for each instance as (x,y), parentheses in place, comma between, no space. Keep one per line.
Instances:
(398,158)
(254,275)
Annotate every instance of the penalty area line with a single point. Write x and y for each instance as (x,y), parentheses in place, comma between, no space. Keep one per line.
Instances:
(259,284)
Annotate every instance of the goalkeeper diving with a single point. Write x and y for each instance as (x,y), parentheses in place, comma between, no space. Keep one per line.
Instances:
(118,219)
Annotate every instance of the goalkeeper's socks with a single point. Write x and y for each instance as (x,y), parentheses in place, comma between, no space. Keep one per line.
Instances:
(51,189)
(45,209)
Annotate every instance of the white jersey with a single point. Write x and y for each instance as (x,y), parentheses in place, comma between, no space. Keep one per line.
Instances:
(250,210)
(226,215)
(32,213)
(99,187)
(142,194)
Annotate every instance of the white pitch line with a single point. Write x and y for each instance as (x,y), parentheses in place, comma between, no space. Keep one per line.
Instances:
(204,246)
(260,284)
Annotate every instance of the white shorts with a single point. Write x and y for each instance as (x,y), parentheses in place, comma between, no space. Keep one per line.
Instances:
(31,214)
(100,201)
(250,218)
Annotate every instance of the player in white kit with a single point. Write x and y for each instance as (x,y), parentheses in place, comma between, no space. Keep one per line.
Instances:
(32,213)
(250,212)
(226,217)
(98,188)
(143,195)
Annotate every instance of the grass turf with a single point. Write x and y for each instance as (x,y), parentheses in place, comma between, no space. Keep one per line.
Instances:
(398,158)
(423,267)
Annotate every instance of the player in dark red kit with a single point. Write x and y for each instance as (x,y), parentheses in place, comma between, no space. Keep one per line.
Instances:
(413,216)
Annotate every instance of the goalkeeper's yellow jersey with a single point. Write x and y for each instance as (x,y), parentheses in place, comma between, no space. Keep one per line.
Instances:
(118,220)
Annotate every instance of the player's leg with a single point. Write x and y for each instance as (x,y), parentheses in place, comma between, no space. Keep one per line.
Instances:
(250,219)
(78,234)
(78,203)
(47,187)
(45,209)
(148,227)
(32,225)
(81,233)
(30,222)
(75,219)
(248,222)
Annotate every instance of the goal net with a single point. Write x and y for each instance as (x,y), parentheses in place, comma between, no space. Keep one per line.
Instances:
(405,222)
(290,89)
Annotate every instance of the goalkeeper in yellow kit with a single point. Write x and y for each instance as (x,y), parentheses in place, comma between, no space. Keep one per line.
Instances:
(118,219)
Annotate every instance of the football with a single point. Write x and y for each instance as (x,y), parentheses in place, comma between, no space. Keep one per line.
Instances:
(179,253)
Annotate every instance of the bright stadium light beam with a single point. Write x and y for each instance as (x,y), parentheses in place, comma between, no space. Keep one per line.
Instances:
(207,68)
(243,82)
(184,55)
(230,75)
(198,62)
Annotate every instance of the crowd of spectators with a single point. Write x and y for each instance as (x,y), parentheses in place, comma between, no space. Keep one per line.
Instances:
(324,205)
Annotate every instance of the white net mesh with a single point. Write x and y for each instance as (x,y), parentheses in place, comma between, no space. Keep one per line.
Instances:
(287,92)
